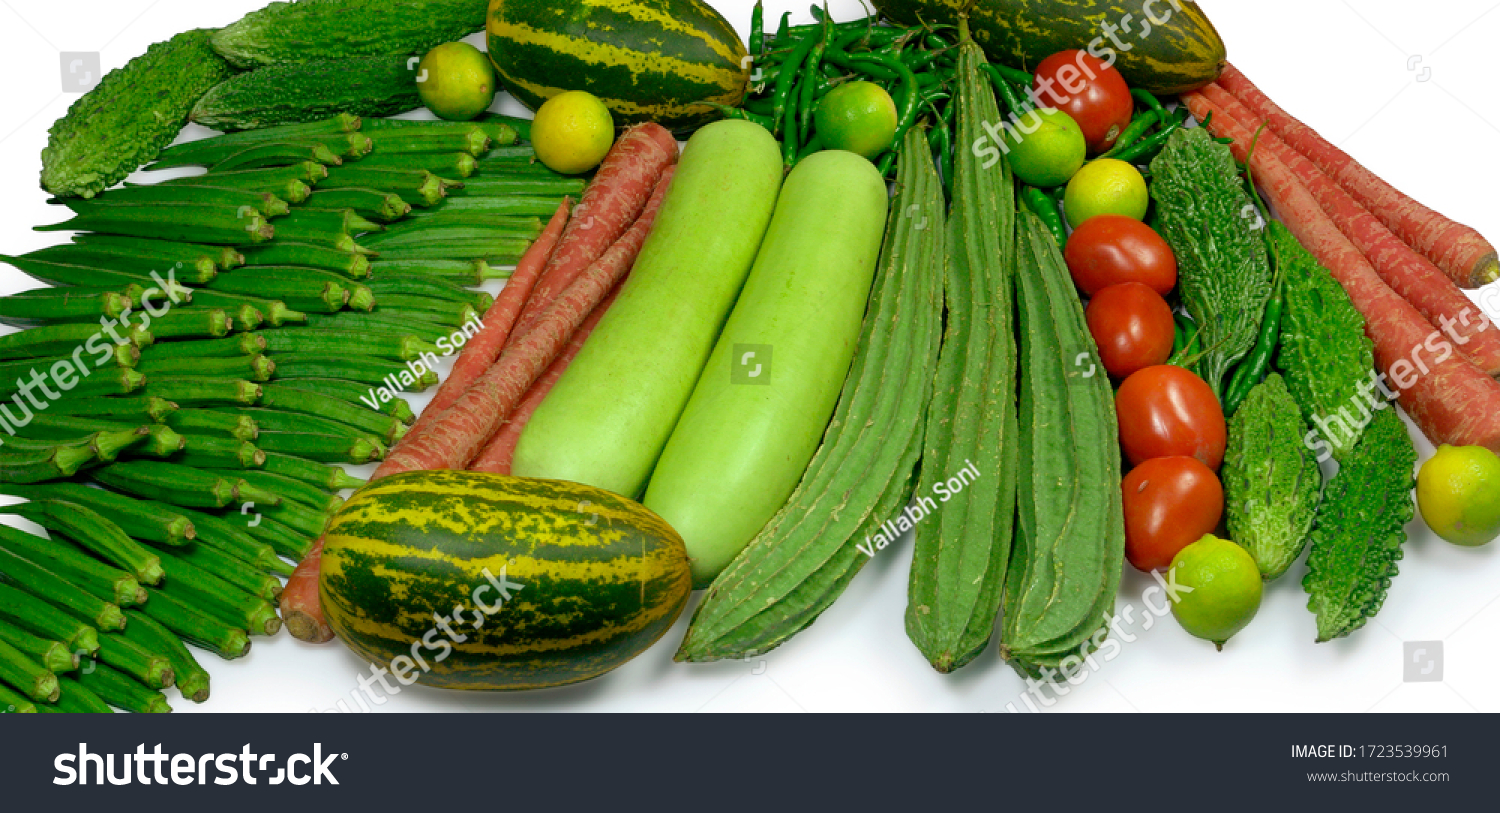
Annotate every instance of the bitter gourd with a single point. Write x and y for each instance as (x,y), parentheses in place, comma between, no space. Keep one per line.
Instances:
(1359,528)
(289,94)
(130,116)
(311,30)
(1271,478)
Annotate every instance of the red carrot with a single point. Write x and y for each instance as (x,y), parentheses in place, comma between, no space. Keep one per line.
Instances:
(480,353)
(611,203)
(301,611)
(1408,273)
(501,451)
(458,434)
(1449,398)
(1463,253)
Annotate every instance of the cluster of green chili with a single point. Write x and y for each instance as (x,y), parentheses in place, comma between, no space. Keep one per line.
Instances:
(796,66)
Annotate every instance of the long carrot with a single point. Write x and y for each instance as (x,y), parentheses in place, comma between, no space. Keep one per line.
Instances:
(1408,273)
(480,353)
(301,611)
(501,451)
(456,436)
(1463,253)
(1449,398)
(611,203)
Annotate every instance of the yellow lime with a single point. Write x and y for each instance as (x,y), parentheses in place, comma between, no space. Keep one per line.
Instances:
(859,117)
(1219,589)
(572,133)
(456,81)
(1107,186)
(1046,147)
(1458,491)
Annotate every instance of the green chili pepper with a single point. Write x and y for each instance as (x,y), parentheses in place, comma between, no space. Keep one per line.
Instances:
(760,106)
(1013,100)
(940,139)
(1131,134)
(808,87)
(1147,148)
(1039,203)
(1151,102)
(812,146)
(790,72)
(886,163)
(742,114)
(911,95)
(758,29)
(1255,366)
(862,64)
(782,30)
(1013,75)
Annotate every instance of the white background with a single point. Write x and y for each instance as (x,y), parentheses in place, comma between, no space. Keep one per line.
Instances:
(1351,71)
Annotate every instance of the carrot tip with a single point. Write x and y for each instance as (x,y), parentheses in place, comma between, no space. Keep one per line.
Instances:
(304,627)
(1487,273)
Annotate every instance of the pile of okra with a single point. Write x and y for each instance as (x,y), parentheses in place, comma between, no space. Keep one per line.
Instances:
(174,411)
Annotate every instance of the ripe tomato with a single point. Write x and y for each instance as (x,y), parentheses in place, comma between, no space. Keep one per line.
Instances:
(1110,249)
(1167,411)
(1133,327)
(1170,503)
(1093,93)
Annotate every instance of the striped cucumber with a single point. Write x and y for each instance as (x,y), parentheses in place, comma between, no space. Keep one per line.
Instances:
(62,557)
(307,255)
(385,207)
(958,570)
(863,473)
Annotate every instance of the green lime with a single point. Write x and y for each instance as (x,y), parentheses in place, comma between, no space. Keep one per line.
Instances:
(1458,491)
(1046,148)
(859,117)
(1219,589)
(456,81)
(572,133)
(1107,186)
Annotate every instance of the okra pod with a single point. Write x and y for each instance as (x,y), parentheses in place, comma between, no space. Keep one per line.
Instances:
(191,678)
(55,589)
(75,698)
(135,409)
(112,381)
(160,440)
(63,339)
(308,255)
(277,154)
(122,691)
(192,152)
(471,140)
(457,227)
(45,265)
(299,518)
(309,173)
(172,483)
(35,308)
(192,323)
(282,407)
(441,311)
(365,370)
(218,598)
(264,202)
(54,656)
(215,225)
(37,467)
(286,541)
(43,620)
(187,391)
(192,624)
(143,519)
(244,344)
(494,186)
(167,251)
(455,165)
(350,392)
(502,130)
(243,575)
(333,342)
(13,702)
(61,556)
(324,448)
(468,273)
(253,368)
(299,293)
(372,203)
(308,471)
(93,531)
(508,206)
(207,451)
(324,221)
(505,252)
(385,321)
(148,667)
(211,422)
(416,187)
(19,670)
(429,288)
(314,497)
(230,536)
(105,446)
(274,312)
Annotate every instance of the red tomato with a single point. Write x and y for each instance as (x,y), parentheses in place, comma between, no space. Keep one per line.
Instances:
(1170,503)
(1093,93)
(1133,327)
(1111,249)
(1167,411)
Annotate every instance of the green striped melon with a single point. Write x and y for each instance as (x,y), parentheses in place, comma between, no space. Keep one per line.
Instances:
(1180,51)
(541,582)
(666,61)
